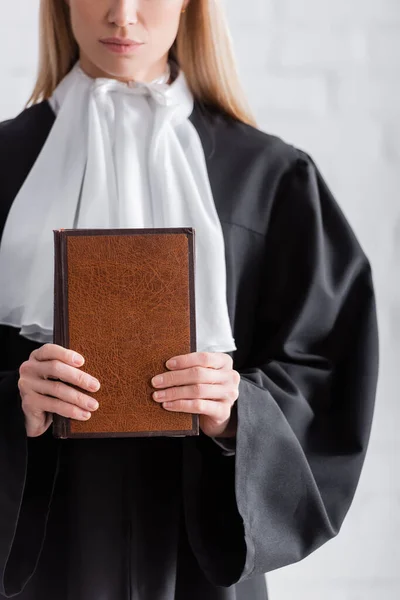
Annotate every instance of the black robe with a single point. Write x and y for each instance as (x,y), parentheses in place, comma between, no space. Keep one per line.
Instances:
(177,519)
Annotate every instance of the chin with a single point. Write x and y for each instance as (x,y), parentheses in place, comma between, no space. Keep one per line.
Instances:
(121,67)
(104,64)
(125,71)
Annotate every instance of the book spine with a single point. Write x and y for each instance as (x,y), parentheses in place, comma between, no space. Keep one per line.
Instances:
(60,424)
(191,236)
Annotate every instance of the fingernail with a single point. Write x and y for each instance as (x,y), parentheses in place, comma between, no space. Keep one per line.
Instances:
(171,363)
(94,385)
(86,415)
(77,359)
(159,395)
(157,380)
(93,404)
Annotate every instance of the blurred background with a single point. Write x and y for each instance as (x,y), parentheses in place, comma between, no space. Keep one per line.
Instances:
(325,76)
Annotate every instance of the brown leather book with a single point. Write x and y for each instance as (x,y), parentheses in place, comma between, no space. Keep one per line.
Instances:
(125,300)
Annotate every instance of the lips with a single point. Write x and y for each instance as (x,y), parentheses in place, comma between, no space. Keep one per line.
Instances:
(121,45)
(120,41)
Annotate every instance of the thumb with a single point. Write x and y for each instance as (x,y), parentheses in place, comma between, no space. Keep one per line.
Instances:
(37,424)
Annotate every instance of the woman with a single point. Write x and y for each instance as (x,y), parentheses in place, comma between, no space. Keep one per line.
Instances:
(285,376)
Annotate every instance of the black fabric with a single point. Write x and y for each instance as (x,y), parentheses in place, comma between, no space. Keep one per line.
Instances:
(176,519)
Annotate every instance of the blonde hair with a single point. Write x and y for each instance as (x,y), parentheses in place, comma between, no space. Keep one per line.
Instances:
(203,49)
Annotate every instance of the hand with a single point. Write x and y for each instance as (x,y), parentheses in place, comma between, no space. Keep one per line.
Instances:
(42,396)
(202,383)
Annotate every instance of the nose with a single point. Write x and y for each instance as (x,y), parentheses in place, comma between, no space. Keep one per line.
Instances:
(123,12)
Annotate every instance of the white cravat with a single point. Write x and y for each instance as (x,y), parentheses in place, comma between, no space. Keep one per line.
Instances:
(118,155)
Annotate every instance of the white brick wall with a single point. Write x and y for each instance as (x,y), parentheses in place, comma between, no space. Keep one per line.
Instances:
(325,75)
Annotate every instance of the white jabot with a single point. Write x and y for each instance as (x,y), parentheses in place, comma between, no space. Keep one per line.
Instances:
(118,155)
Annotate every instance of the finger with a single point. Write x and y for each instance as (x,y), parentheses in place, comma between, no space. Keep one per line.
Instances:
(57,369)
(199,390)
(215,410)
(190,376)
(36,402)
(209,360)
(65,393)
(56,352)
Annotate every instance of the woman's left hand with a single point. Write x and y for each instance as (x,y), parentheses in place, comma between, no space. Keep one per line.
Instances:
(202,383)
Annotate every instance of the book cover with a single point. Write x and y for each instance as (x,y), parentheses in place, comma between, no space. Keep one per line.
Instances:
(125,300)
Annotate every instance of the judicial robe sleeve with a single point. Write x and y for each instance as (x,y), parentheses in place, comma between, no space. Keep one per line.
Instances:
(28,469)
(306,396)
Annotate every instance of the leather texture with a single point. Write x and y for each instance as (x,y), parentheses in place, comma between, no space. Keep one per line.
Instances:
(124,299)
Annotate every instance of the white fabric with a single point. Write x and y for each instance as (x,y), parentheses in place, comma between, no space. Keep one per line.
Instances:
(118,155)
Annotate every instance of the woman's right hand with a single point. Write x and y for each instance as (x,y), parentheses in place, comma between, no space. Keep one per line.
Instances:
(41,397)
